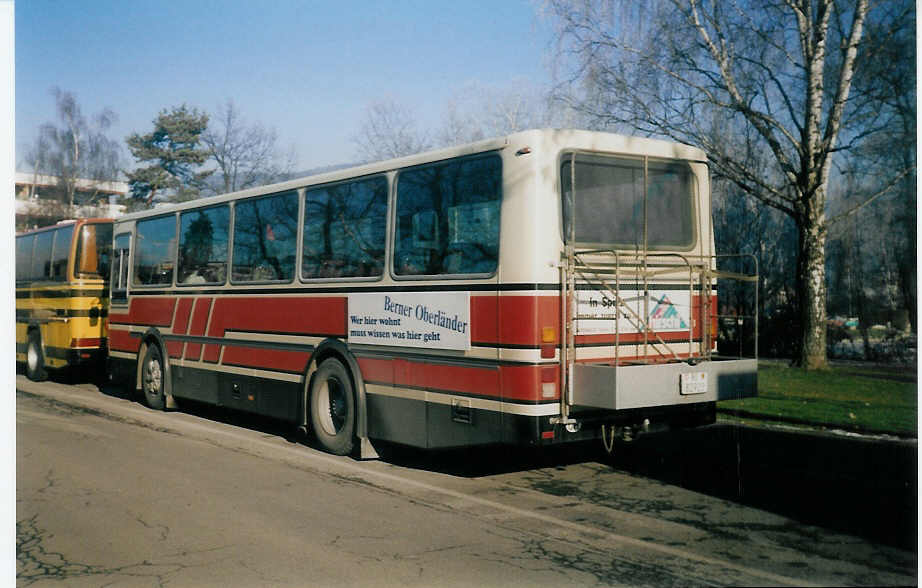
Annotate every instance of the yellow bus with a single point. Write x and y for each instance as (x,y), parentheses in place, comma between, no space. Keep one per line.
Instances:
(62,295)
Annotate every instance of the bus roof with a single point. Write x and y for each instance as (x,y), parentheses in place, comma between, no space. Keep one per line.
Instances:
(65,222)
(552,139)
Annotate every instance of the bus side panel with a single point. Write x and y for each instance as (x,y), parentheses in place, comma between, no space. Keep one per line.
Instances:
(456,425)
(394,419)
(263,396)
(195,384)
(122,371)
(267,397)
(394,414)
(431,405)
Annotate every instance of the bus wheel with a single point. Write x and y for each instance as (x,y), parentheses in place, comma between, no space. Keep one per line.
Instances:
(332,405)
(152,378)
(35,359)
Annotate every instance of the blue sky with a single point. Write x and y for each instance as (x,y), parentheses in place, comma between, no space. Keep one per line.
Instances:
(308,69)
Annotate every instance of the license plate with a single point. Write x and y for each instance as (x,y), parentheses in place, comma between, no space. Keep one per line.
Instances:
(693,383)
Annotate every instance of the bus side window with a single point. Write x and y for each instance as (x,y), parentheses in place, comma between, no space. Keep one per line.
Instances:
(41,255)
(24,257)
(448,217)
(426,230)
(203,245)
(119,280)
(265,238)
(345,227)
(153,260)
(61,253)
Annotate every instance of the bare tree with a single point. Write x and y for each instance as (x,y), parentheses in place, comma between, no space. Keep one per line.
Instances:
(779,74)
(475,112)
(246,155)
(388,130)
(76,152)
(890,75)
(36,158)
(479,111)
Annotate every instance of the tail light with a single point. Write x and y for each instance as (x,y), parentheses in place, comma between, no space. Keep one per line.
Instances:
(549,381)
(548,343)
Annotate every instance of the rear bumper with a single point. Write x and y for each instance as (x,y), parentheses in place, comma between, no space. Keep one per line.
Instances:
(642,386)
(86,356)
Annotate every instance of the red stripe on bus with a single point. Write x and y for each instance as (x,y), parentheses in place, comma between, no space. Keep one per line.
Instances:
(200,316)
(86,342)
(321,316)
(156,312)
(483,319)
(523,383)
(183,310)
(513,320)
(296,316)
(377,370)
(516,383)
(272,359)
(174,348)
(123,341)
(198,323)
(470,380)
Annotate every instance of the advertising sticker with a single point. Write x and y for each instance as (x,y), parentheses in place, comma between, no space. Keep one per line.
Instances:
(438,320)
(668,311)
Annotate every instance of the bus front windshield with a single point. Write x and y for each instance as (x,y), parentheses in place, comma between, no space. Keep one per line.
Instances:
(94,250)
(618,199)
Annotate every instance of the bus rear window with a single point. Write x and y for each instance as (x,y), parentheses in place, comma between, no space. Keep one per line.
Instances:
(94,251)
(609,207)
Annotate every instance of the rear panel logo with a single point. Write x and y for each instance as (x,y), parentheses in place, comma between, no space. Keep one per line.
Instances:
(665,316)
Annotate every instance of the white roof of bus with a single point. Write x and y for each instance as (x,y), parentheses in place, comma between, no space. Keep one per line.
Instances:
(545,139)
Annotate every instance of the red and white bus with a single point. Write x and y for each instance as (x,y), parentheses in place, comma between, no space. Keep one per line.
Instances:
(539,288)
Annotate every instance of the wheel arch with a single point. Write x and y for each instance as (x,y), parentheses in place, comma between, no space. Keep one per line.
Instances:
(152,336)
(338,349)
(36,327)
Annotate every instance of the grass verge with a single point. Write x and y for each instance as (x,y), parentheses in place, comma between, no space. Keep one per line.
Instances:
(866,400)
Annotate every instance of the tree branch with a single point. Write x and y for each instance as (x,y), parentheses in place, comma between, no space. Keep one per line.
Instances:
(890,185)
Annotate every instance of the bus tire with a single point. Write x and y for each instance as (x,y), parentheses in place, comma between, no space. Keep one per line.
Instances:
(152,378)
(332,407)
(35,359)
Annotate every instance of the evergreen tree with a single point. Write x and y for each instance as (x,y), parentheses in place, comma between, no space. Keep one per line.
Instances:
(175,154)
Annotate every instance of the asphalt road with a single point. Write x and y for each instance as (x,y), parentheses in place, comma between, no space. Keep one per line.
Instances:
(111,493)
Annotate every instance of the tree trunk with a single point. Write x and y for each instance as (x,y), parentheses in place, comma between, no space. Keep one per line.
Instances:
(811,287)
(907,265)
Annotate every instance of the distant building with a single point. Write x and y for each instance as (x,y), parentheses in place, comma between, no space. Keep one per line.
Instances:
(39,202)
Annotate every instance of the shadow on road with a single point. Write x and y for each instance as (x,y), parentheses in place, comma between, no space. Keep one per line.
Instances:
(855,485)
